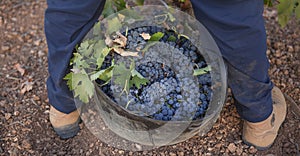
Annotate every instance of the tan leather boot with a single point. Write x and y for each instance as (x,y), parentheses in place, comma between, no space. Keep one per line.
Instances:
(65,125)
(262,134)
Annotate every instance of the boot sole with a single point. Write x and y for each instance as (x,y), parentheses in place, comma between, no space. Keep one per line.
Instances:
(68,131)
(257,147)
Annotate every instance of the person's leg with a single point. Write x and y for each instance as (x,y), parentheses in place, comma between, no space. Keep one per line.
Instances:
(238,29)
(66,23)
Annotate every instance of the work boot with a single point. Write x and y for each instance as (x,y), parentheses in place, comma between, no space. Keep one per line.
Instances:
(262,134)
(65,125)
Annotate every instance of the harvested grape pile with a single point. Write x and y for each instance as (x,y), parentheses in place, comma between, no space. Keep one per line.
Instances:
(169,93)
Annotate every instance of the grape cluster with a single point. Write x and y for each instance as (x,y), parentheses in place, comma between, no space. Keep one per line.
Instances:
(170,94)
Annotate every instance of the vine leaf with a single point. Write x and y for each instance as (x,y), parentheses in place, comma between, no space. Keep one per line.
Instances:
(107,74)
(172,38)
(122,76)
(102,56)
(81,85)
(98,48)
(285,10)
(157,36)
(202,71)
(79,61)
(114,25)
(138,81)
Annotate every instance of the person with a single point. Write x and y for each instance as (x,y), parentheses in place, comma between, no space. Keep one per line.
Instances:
(238,29)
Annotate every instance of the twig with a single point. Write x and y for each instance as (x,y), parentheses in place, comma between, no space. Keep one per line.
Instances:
(12,78)
(17,122)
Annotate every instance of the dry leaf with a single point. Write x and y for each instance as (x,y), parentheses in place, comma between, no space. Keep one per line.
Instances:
(108,41)
(26,87)
(122,52)
(20,69)
(146,36)
(121,40)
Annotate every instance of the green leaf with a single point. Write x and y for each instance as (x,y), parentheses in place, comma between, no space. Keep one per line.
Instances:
(119,4)
(285,11)
(114,25)
(122,76)
(202,71)
(107,74)
(98,48)
(138,81)
(97,75)
(102,56)
(108,8)
(79,61)
(157,36)
(97,29)
(297,10)
(172,38)
(85,48)
(81,85)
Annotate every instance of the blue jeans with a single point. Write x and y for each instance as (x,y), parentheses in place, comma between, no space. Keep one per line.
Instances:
(236,25)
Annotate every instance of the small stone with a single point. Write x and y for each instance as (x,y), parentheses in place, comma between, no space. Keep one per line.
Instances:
(37,42)
(231,147)
(252,150)
(239,151)
(172,154)
(26,144)
(219,136)
(5,48)
(121,152)
(7,116)
(278,62)
(181,153)
(16,113)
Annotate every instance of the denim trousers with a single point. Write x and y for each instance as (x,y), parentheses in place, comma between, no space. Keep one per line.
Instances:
(237,26)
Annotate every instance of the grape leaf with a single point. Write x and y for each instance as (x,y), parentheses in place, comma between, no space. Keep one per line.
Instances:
(98,48)
(78,61)
(297,10)
(85,48)
(97,28)
(285,10)
(108,8)
(138,81)
(101,58)
(122,76)
(172,38)
(157,36)
(81,85)
(114,25)
(107,74)
(97,75)
(202,71)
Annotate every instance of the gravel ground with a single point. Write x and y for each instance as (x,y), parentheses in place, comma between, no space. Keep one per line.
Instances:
(24,108)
